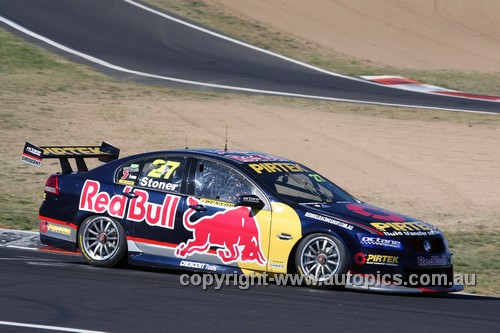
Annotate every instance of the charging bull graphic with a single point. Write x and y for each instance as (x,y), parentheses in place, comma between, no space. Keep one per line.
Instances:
(234,230)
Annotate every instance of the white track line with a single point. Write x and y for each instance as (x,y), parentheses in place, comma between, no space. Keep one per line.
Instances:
(210,85)
(19,231)
(45,327)
(20,247)
(274,54)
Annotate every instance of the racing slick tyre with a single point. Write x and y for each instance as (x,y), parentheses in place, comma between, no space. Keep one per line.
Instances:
(320,258)
(102,241)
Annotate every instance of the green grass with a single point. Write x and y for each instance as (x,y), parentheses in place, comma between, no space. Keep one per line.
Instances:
(477,253)
(306,51)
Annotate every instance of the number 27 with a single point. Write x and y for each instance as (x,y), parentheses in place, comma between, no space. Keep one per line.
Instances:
(161,165)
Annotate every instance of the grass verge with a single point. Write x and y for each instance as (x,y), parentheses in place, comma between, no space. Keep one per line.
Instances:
(306,51)
(477,253)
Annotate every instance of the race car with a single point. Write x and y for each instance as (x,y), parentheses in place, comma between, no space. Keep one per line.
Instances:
(225,211)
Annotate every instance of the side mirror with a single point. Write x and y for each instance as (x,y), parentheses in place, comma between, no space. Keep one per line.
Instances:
(249,200)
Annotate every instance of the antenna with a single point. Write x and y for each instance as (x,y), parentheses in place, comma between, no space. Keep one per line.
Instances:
(225,145)
(185,133)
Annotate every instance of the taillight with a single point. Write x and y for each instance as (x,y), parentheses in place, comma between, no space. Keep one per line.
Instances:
(52,185)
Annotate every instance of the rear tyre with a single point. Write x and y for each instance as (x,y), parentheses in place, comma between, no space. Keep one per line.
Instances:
(102,241)
(320,258)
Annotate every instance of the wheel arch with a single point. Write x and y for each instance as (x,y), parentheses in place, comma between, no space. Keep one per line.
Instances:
(291,269)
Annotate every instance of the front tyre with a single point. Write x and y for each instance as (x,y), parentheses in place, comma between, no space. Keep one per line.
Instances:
(102,241)
(320,258)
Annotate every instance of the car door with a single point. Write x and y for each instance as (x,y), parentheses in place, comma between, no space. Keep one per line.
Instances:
(222,232)
(155,187)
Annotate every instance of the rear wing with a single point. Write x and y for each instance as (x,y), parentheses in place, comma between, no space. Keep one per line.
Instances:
(34,155)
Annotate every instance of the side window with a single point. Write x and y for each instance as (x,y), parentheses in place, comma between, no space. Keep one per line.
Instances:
(218,182)
(163,173)
(128,173)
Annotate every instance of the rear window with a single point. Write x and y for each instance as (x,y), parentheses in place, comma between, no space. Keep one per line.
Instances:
(128,174)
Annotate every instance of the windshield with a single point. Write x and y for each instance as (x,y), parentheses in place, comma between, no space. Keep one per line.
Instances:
(294,183)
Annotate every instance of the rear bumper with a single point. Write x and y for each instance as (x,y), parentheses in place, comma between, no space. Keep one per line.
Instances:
(58,233)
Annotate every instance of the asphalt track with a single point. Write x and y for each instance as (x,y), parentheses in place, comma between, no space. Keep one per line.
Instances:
(135,44)
(61,290)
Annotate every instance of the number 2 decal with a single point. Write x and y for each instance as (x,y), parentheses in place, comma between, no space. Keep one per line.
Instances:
(161,166)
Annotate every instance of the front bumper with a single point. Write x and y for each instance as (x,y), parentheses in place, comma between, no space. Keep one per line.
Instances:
(359,281)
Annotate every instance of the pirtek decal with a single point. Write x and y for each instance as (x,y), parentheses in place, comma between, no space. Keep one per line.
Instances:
(74,151)
(140,209)
(46,227)
(276,167)
(235,230)
(375,259)
(405,228)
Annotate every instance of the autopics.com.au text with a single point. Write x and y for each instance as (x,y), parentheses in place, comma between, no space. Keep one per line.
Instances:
(217,281)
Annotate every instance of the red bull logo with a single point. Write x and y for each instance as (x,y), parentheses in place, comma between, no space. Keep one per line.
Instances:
(235,231)
(140,208)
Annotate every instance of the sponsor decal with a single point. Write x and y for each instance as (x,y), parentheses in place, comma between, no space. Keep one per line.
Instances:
(211,202)
(33,151)
(375,259)
(279,266)
(379,242)
(198,265)
(375,213)
(315,204)
(259,168)
(157,184)
(234,230)
(139,208)
(129,174)
(360,258)
(249,198)
(47,228)
(44,226)
(74,151)
(417,228)
(316,177)
(255,158)
(30,160)
(432,261)
(57,229)
(329,220)
(32,155)
(132,168)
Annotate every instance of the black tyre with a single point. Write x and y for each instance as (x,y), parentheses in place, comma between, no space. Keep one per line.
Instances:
(322,260)
(102,241)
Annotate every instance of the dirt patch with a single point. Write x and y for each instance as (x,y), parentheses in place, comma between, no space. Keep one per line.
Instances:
(448,174)
(440,34)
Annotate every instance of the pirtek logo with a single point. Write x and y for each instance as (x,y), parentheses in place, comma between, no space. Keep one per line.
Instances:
(74,151)
(140,208)
(234,230)
(375,259)
(402,226)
